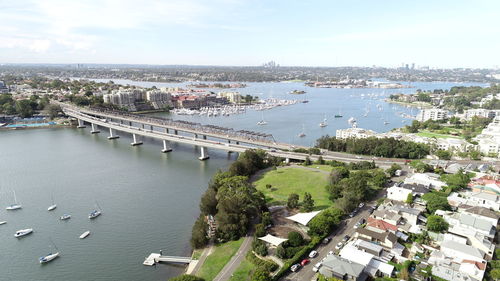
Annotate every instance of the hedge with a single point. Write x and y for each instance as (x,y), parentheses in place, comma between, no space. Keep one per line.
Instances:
(264,264)
(299,255)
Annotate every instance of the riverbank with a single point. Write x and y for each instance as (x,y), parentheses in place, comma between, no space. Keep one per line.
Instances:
(410,104)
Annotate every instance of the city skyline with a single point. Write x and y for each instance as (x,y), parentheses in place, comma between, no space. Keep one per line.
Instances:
(447,34)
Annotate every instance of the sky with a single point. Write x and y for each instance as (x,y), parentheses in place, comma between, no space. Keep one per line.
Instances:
(444,34)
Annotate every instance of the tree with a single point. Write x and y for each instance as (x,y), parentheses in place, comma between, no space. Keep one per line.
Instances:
(457,181)
(260,230)
(321,161)
(495,273)
(52,110)
(436,223)
(325,222)
(186,277)
(260,274)
(295,239)
(208,202)
(307,203)
(259,247)
(266,219)
(392,170)
(281,252)
(420,166)
(23,107)
(308,161)
(293,201)
(443,154)
(199,233)
(436,202)
(409,198)
(337,174)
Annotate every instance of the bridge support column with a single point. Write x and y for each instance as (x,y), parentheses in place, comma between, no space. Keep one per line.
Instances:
(142,126)
(136,142)
(237,142)
(287,160)
(204,154)
(80,124)
(166,148)
(195,136)
(111,136)
(130,123)
(94,129)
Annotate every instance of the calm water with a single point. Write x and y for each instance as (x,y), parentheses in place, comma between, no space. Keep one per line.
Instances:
(149,199)
(149,202)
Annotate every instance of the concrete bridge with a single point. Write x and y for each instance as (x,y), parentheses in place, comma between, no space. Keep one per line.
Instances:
(203,136)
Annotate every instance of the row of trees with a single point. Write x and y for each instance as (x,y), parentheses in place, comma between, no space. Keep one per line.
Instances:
(232,199)
(24,108)
(384,147)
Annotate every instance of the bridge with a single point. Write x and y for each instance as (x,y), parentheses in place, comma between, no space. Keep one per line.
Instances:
(203,136)
(154,258)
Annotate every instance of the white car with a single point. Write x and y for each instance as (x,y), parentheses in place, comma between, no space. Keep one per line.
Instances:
(331,252)
(312,254)
(316,267)
(295,267)
(338,246)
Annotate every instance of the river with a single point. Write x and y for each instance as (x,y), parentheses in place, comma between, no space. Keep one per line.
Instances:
(149,199)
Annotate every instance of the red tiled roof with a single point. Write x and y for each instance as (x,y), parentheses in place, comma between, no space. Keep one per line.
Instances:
(380,224)
(481,266)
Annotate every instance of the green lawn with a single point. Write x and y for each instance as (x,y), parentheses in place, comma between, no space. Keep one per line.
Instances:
(218,259)
(243,272)
(436,135)
(295,180)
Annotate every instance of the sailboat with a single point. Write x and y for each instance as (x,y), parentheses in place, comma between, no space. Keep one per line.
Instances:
(324,123)
(85,234)
(302,134)
(53,206)
(23,232)
(339,115)
(50,256)
(3,222)
(262,122)
(95,213)
(16,205)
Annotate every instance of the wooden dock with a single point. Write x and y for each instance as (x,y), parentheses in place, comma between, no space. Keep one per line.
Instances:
(154,258)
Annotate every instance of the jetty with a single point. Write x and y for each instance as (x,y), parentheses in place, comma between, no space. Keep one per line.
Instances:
(155,258)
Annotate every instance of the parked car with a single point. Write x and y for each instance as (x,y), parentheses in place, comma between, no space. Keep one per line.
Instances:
(346,238)
(304,262)
(313,254)
(338,246)
(352,214)
(359,223)
(331,252)
(361,205)
(316,267)
(295,267)
(327,240)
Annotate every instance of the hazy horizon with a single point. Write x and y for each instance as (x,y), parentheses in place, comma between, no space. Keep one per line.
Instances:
(363,33)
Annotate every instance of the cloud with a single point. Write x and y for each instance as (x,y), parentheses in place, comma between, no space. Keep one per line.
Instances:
(34,45)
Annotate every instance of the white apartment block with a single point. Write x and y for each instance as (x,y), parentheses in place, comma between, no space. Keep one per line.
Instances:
(489,140)
(358,133)
(480,112)
(435,114)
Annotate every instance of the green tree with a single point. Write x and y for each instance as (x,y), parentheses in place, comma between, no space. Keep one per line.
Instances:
(208,202)
(295,239)
(443,154)
(436,202)
(186,277)
(260,230)
(392,170)
(436,223)
(199,237)
(261,274)
(266,219)
(457,181)
(52,110)
(325,222)
(23,107)
(259,247)
(420,166)
(409,198)
(337,174)
(293,201)
(307,203)
(308,161)
(495,274)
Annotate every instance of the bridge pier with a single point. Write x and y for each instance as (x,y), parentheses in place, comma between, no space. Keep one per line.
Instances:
(287,160)
(204,137)
(204,153)
(175,132)
(111,136)
(165,147)
(136,142)
(166,130)
(94,129)
(80,124)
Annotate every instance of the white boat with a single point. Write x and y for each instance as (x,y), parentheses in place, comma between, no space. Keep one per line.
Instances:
(53,206)
(262,122)
(48,257)
(302,134)
(85,234)
(23,232)
(94,214)
(65,217)
(324,123)
(16,205)
(2,222)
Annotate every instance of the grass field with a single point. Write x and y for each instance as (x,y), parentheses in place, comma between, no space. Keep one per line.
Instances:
(295,180)
(218,259)
(243,272)
(430,135)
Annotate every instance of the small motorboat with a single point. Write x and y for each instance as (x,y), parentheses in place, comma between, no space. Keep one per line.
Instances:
(48,257)
(3,222)
(13,207)
(52,207)
(23,232)
(85,234)
(94,214)
(65,217)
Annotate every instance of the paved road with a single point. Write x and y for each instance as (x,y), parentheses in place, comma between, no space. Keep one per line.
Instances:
(346,228)
(235,261)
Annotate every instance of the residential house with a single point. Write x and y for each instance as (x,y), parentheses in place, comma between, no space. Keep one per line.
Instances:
(343,269)
(460,252)
(429,180)
(385,239)
(400,191)
(448,269)
(372,265)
